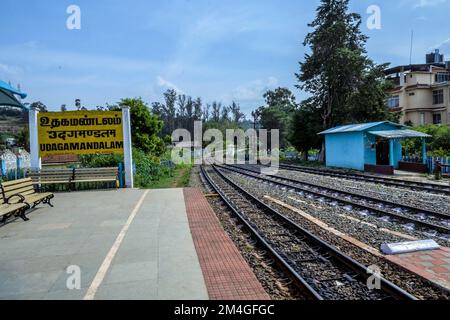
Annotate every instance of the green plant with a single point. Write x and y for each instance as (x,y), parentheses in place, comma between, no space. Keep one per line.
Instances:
(100,160)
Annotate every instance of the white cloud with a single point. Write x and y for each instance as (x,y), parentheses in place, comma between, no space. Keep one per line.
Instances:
(253,91)
(167,84)
(10,70)
(31,54)
(428,3)
(441,44)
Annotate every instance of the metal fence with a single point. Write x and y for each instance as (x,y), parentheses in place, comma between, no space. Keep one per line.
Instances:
(431,162)
(12,174)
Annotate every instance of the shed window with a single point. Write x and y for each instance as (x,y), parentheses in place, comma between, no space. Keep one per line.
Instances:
(438,97)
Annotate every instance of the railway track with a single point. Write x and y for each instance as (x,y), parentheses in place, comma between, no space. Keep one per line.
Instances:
(429,222)
(413,185)
(315,266)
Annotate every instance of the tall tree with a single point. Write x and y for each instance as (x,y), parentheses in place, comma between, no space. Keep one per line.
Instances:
(335,66)
(198,109)
(145,127)
(206,112)
(216,111)
(236,114)
(158,109)
(170,96)
(277,114)
(190,115)
(280,97)
(225,116)
(306,123)
(190,108)
(181,118)
(337,73)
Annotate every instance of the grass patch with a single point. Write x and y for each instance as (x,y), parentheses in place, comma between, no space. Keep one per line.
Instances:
(178,178)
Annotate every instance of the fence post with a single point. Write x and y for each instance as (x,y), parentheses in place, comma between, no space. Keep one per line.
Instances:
(2,168)
(121,175)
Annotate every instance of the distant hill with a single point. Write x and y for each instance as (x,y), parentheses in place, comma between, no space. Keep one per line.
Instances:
(12,120)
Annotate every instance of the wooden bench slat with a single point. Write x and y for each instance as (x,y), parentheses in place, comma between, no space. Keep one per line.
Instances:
(14,182)
(7,209)
(25,188)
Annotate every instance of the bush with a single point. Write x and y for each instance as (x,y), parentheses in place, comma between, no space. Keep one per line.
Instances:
(438,144)
(100,160)
(148,169)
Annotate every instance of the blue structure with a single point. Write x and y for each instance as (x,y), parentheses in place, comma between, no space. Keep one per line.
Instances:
(357,146)
(7,96)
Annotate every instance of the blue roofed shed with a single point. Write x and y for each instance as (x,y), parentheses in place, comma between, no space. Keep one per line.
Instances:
(8,95)
(368,146)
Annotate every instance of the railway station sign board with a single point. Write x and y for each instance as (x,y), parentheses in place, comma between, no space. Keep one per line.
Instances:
(80,132)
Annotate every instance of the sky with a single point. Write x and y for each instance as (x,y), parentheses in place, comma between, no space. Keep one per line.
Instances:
(217,50)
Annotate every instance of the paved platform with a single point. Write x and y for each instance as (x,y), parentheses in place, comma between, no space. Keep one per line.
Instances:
(227,274)
(129,244)
(432,265)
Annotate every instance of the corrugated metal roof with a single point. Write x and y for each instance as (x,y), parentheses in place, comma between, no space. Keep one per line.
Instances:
(396,134)
(357,127)
(7,87)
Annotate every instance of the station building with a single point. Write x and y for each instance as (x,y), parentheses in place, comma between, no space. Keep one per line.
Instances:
(373,147)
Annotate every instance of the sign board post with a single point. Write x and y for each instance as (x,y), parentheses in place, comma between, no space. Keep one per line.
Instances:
(36,163)
(128,154)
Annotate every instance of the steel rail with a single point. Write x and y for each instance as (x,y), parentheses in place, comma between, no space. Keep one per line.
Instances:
(387,286)
(301,283)
(380,211)
(414,185)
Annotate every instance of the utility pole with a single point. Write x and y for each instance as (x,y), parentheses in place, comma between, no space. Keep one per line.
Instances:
(411,48)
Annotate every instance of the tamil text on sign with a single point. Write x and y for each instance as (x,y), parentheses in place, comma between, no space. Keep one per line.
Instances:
(80,132)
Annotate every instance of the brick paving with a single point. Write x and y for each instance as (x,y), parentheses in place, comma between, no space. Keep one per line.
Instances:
(227,275)
(432,265)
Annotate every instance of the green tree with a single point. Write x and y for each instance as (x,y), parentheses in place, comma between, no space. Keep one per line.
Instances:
(39,106)
(145,127)
(198,112)
(281,97)
(368,103)
(216,111)
(306,123)
(277,114)
(438,144)
(170,96)
(237,115)
(345,85)
(23,138)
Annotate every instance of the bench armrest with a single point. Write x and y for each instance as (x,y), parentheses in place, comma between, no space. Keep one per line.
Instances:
(21,197)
